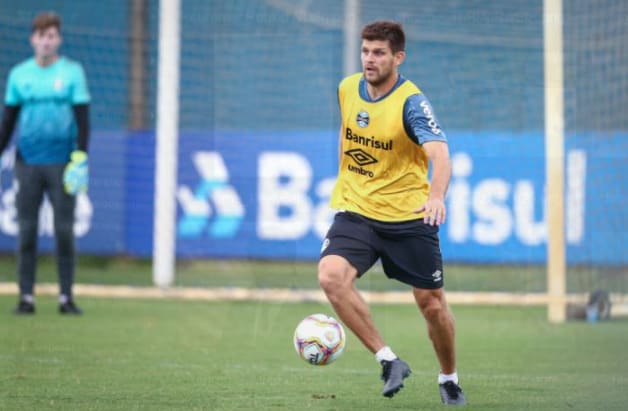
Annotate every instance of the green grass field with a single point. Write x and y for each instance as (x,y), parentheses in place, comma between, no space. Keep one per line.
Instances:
(302,275)
(175,355)
(185,355)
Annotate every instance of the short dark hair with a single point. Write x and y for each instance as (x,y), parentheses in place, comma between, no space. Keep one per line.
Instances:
(386,30)
(43,21)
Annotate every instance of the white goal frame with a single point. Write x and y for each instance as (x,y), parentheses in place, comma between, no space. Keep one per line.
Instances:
(554,159)
(164,237)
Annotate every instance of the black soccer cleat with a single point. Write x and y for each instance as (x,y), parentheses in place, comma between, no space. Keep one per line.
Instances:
(24,308)
(393,374)
(451,393)
(69,308)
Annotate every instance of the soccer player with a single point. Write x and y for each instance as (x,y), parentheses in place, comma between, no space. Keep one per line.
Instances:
(388,209)
(48,95)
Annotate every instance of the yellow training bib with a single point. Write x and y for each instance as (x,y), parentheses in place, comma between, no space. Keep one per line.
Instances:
(382,172)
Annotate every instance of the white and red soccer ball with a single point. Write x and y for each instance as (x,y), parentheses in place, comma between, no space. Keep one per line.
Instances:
(319,339)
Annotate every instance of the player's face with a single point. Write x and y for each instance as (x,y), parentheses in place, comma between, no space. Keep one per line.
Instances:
(46,42)
(379,63)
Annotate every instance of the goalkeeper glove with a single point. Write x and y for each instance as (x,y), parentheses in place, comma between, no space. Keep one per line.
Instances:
(76,173)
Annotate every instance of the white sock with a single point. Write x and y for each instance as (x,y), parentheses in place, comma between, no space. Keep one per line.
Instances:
(385,354)
(63,299)
(443,378)
(28,298)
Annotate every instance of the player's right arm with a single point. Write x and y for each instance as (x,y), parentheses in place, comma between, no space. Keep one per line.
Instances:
(340,145)
(340,131)
(12,105)
(9,118)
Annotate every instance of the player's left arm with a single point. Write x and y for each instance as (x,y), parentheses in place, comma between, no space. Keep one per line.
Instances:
(76,173)
(81,114)
(80,105)
(434,208)
(423,127)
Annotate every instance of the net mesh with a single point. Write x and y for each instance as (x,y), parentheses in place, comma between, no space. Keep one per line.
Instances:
(596,95)
(266,72)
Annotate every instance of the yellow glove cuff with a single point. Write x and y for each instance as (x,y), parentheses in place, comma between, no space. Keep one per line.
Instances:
(78,156)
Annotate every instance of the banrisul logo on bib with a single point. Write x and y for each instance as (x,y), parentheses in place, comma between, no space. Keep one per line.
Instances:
(214,207)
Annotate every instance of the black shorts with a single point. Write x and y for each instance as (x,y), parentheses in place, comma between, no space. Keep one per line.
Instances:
(409,250)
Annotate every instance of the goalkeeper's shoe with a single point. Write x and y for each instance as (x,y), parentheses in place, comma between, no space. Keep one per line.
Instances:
(451,393)
(70,308)
(24,307)
(393,374)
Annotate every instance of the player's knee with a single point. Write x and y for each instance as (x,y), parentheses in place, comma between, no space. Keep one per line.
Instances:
(432,307)
(64,231)
(28,237)
(328,278)
(432,311)
(27,245)
(332,276)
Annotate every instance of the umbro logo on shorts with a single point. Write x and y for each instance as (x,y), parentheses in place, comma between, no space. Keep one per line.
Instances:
(437,276)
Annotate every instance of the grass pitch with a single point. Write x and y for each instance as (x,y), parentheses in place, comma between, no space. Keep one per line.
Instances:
(176,355)
(302,275)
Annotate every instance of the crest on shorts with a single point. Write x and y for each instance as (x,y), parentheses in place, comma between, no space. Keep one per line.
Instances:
(325,245)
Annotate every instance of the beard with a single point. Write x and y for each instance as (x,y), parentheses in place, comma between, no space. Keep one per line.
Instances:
(378,79)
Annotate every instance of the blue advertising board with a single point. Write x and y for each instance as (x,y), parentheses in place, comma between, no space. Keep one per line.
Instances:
(100,214)
(265,195)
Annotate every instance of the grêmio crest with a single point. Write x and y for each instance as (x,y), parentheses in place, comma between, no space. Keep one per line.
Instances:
(363,119)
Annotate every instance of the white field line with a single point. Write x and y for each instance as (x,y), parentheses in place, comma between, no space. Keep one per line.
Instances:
(289,295)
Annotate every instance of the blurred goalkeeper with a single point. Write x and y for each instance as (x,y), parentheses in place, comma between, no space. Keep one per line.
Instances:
(387,208)
(48,95)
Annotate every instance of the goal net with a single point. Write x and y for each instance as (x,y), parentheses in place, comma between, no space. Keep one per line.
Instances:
(258,135)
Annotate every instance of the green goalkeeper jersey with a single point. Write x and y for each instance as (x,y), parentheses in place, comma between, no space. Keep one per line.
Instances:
(47,127)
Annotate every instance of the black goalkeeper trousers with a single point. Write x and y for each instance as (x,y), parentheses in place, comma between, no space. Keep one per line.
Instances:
(35,181)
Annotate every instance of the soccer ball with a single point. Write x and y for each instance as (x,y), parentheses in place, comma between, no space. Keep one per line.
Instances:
(319,339)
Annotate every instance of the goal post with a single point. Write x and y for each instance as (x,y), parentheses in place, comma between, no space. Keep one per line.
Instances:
(164,242)
(554,159)
(351,34)
(532,107)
